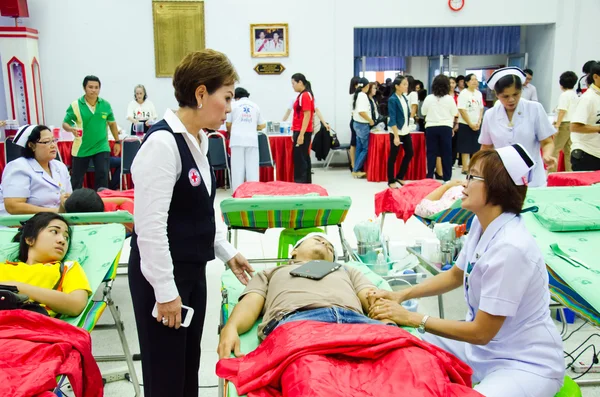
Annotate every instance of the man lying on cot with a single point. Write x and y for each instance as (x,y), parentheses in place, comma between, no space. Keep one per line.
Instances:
(87,200)
(53,286)
(339,297)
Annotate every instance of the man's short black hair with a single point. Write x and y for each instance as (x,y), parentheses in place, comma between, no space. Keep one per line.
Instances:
(89,78)
(529,72)
(84,200)
(241,93)
(568,80)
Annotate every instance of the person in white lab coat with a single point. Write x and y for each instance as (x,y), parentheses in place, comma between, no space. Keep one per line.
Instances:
(36,182)
(517,120)
(243,123)
(508,337)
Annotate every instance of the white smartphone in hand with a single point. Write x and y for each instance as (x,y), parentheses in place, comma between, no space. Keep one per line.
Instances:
(186,314)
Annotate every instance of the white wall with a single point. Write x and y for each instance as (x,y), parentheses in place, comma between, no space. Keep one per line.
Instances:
(123,51)
(418,67)
(540,46)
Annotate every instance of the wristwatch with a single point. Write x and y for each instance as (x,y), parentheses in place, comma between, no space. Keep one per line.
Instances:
(421,327)
(117,142)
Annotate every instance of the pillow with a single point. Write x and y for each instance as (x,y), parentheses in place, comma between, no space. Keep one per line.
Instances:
(77,252)
(569,216)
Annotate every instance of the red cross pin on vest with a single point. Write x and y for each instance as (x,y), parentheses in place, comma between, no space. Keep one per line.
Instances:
(194,177)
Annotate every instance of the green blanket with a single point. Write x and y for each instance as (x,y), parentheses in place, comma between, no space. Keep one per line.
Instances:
(582,245)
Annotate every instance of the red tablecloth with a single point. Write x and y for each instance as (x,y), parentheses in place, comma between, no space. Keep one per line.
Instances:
(379,150)
(573,178)
(282,148)
(64,148)
(404,201)
(277,188)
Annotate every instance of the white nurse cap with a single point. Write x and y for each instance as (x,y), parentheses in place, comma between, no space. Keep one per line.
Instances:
(23,134)
(517,162)
(508,71)
(312,235)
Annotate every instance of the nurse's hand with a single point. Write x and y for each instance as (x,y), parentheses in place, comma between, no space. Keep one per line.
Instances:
(169,313)
(63,199)
(550,161)
(396,296)
(241,268)
(390,310)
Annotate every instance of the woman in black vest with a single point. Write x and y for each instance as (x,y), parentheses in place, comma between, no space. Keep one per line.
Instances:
(175,234)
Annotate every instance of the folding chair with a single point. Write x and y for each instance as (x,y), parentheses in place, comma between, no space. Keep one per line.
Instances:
(130,147)
(97,248)
(217,153)
(265,157)
(333,151)
(12,151)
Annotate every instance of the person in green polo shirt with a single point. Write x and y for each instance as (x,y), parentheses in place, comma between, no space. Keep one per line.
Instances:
(87,118)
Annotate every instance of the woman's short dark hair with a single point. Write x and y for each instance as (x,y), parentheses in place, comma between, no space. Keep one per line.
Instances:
(34,137)
(422,95)
(587,67)
(89,78)
(440,86)
(353,83)
(143,89)
(499,186)
(207,67)
(84,200)
(32,228)
(506,82)
(459,78)
(468,78)
(594,69)
(568,80)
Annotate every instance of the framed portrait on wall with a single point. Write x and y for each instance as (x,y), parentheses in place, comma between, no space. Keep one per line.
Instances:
(269,40)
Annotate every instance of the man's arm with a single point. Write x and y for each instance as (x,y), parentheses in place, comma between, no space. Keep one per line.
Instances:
(362,295)
(585,128)
(114,130)
(244,315)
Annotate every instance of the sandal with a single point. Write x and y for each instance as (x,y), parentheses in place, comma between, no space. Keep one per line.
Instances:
(393,185)
(398,181)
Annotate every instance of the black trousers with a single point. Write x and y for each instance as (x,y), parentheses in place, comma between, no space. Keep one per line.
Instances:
(170,357)
(439,144)
(302,164)
(406,141)
(81,165)
(582,161)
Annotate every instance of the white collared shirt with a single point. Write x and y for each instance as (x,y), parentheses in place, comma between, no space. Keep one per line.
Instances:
(245,117)
(25,178)
(529,92)
(530,126)
(155,170)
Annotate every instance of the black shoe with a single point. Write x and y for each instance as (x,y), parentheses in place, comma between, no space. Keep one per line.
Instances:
(439,177)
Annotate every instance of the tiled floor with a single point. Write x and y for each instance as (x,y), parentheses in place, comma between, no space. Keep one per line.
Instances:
(337,182)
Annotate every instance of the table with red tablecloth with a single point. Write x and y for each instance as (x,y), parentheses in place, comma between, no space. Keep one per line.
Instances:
(64,148)
(379,150)
(573,178)
(277,188)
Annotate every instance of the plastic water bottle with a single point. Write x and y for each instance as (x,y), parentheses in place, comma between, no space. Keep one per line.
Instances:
(381,267)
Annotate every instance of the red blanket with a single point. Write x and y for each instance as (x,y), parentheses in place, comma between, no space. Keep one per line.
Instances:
(403,201)
(35,349)
(277,188)
(573,178)
(308,358)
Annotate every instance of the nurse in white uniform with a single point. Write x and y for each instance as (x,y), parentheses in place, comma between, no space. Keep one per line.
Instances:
(36,182)
(517,120)
(243,123)
(508,337)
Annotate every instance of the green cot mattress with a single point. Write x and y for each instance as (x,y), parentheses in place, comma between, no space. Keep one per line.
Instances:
(96,247)
(576,287)
(283,211)
(249,340)
(75,219)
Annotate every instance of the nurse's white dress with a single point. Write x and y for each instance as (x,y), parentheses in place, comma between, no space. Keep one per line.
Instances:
(505,275)
(25,178)
(530,125)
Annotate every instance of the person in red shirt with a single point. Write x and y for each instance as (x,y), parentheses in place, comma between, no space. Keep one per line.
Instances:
(302,127)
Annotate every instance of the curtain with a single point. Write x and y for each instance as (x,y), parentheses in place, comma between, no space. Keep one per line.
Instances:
(381,64)
(405,42)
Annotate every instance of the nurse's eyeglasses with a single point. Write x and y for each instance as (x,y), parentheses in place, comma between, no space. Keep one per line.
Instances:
(54,141)
(474,178)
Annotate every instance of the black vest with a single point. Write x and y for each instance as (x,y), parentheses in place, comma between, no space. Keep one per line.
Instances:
(191,221)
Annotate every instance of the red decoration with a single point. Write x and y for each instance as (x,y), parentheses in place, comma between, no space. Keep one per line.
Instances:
(456,5)
(14,8)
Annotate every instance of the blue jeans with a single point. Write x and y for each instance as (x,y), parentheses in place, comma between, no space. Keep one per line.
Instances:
(332,314)
(362,144)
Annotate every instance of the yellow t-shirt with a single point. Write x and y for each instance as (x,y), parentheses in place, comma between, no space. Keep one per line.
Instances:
(46,275)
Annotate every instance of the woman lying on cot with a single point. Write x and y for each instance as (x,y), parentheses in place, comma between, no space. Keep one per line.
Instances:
(40,273)
(440,199)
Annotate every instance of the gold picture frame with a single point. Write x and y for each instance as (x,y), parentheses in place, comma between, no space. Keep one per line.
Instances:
(178,30)
(269,40)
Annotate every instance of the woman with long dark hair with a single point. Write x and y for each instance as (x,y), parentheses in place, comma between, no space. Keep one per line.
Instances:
(399,109)
(352,151)
(302,128)
(363,122)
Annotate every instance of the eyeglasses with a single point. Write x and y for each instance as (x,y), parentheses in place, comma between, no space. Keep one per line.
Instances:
(54,141)
(473,177)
